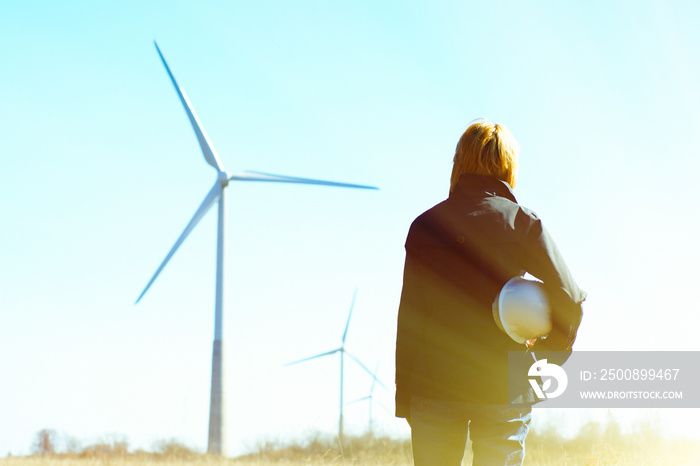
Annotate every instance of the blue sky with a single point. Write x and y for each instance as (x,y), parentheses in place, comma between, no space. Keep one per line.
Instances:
(101,172)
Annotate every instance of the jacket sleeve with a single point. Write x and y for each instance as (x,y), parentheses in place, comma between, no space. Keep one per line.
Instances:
(411,325)
(543,260)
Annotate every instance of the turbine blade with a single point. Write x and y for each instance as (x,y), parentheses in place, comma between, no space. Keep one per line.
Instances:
(384,407)
(366,370)
(213,195)
(208,150)
(347,324)
(312,357)
(358,400)
(259,176)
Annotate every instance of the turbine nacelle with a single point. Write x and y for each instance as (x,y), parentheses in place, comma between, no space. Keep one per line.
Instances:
(224,177)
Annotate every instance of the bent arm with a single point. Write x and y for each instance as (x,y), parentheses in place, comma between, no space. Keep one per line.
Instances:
(543,260)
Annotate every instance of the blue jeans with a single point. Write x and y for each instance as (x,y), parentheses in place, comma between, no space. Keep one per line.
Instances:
(439,432)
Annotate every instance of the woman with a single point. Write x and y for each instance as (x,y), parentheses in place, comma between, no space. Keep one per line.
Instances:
(451,357)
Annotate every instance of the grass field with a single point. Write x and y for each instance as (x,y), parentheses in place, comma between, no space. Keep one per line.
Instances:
(592,447)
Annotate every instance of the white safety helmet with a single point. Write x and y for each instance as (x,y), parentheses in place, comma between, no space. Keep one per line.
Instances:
(522,310)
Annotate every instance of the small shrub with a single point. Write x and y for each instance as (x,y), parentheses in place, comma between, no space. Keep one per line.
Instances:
(45,442)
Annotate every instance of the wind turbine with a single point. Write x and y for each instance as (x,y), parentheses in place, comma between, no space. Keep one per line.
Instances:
(370,399)
(342,352)
(218,194)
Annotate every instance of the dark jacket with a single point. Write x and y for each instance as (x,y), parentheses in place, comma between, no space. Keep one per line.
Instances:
(459,254)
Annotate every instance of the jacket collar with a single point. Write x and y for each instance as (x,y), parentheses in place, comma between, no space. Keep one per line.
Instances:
(483,186)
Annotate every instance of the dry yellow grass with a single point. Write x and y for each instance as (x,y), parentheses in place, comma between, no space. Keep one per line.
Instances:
(592,447)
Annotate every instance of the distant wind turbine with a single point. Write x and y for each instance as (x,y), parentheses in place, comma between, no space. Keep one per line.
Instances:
(342,352)
(217,193)
(370,400)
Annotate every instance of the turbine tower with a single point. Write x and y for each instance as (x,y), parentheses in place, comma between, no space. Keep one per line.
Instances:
(342,352)
(218,194)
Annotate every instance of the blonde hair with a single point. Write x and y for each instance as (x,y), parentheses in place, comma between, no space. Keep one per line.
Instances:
(486,148)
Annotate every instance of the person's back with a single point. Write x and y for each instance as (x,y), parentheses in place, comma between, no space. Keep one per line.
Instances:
(464,250)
